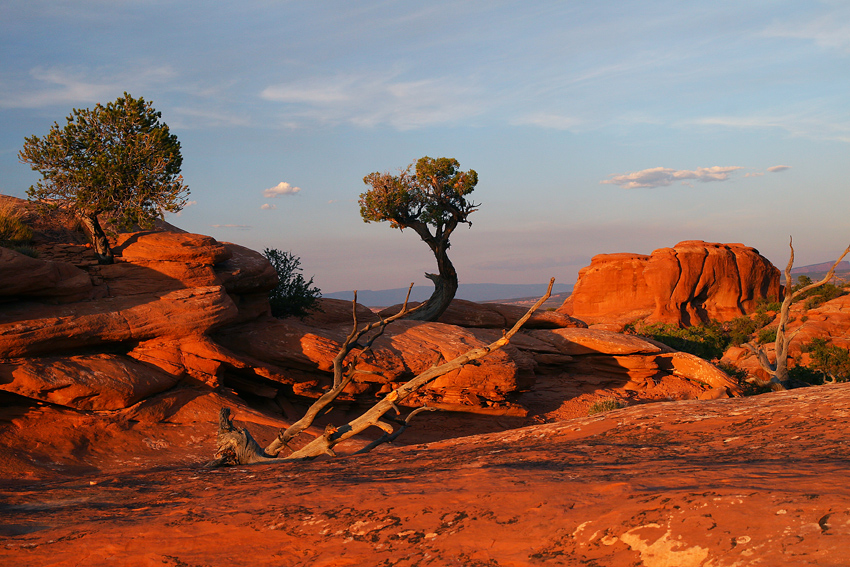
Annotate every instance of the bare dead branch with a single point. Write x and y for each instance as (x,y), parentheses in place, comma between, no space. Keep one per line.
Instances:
(343,373)
(236,446)
(371,416)
(778,371)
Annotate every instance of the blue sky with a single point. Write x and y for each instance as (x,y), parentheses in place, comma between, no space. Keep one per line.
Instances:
(595,127)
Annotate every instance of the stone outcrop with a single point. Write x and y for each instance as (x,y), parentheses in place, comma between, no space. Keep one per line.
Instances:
(747,481)
(691,283)
(97,382)
(22,277)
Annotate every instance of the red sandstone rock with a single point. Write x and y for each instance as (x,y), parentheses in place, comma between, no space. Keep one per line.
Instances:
(28,329)
(335,313)
(98,382)
(245,271)
(406,349)
(758,480)
(171,247)
(691,283)
(25,277)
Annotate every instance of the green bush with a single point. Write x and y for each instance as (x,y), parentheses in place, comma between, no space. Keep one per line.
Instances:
(829,360)
(819,295)
(605,405)
(767,335)
(293,295)
(740,376)
(764,305)
(705,341)
(25,250)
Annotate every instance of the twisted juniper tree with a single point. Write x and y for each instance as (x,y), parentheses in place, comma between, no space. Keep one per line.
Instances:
(432,200)
(117,159)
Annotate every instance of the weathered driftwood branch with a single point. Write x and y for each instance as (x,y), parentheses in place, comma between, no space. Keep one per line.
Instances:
(343,371)
(236,446)
(778,371)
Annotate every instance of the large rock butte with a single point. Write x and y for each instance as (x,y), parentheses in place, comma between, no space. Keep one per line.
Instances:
(691,283)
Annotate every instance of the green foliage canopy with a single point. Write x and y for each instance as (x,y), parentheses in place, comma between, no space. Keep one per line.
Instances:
(434,194)
(117,158)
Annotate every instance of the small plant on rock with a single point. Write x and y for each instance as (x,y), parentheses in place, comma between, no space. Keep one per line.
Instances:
(606,405)
(293,295)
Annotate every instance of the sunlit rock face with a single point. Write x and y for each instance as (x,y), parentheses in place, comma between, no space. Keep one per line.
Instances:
(691,283)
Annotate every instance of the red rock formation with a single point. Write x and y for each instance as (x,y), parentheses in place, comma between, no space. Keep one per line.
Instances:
(749,481)
(56,282)
(690,283)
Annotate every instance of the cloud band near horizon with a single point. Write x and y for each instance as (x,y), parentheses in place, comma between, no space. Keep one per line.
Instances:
(664,176)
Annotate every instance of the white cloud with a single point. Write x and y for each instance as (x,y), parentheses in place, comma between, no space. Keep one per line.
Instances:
(777,168)
(371,99)
(754,174)
(282,188)
(664,176)
(268,207)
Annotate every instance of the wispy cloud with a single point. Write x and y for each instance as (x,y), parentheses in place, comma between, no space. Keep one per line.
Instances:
(777,168)
(371,100)
(548,120)
(830,31)
(664,176)
(819,126)
(282,188)
(236,226)
(268,207)
(68,86)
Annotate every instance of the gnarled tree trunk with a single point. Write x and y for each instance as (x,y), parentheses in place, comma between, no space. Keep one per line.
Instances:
(98,238)
(445,287)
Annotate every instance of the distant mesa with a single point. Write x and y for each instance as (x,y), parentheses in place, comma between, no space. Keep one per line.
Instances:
(469,292)
(691,283)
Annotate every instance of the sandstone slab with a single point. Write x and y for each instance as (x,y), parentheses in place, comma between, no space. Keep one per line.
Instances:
(28,329)
(96,382)
(725,483)
(171,247)
(25,277)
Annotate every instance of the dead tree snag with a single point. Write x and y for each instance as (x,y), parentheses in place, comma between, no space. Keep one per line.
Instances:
(236,446)
(778,370)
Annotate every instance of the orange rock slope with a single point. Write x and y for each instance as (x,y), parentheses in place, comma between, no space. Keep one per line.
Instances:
(746,481)
(688,284)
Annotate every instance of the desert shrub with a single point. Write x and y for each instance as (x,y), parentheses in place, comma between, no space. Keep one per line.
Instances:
(293,295)
(740,376)
(25,250)
(764,305)
(819,295)
(12,229)
(829,360)
(767,335)
(605,405)
(704,341)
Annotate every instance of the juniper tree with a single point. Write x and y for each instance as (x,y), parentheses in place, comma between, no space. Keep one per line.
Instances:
(117,159)
(431,195)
